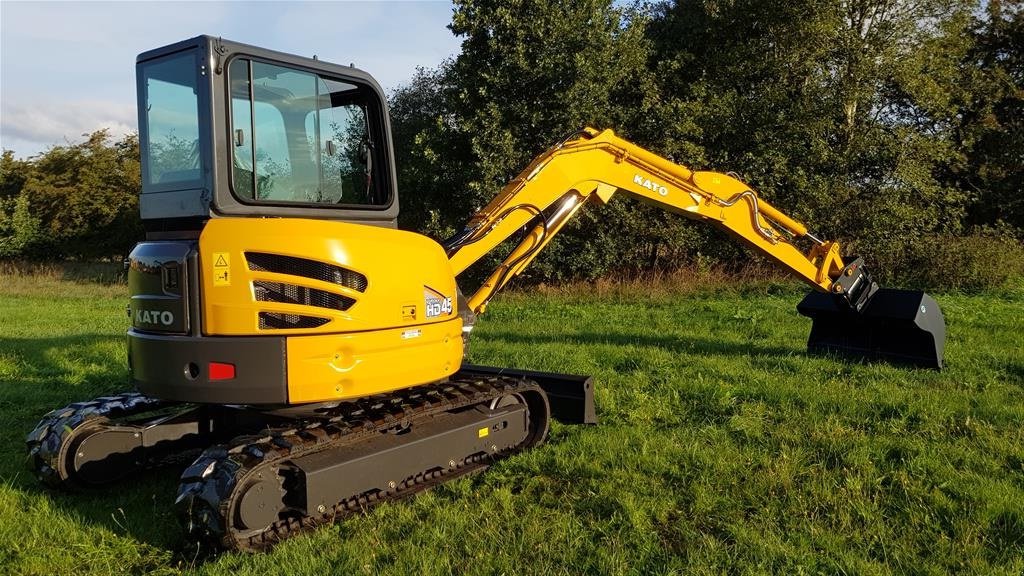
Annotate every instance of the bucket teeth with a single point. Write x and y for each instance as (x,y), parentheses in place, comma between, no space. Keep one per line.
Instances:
(900,326)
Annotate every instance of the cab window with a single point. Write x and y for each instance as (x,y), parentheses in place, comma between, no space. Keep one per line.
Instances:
(299,137)
(171,104)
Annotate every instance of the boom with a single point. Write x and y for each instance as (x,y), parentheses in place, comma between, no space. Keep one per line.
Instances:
(596,165)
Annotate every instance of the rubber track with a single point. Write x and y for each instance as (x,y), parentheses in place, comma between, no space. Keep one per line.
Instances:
(47,443)
(206,495)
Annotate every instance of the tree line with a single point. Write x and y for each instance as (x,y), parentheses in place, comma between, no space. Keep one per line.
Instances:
(893,126)
(77,201)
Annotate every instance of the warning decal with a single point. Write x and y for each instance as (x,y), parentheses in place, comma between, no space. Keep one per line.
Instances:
(221,269)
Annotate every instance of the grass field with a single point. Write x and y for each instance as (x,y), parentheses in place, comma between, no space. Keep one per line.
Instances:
(722,449)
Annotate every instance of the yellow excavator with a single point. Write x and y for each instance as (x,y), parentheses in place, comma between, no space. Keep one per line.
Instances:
(310,353)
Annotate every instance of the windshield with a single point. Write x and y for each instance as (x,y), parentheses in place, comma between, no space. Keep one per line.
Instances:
(299,137)
(171,143)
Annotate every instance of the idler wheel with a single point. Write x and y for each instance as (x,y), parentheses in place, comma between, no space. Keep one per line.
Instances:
(261,502)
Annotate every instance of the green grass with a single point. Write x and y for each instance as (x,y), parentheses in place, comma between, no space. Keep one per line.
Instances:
(722,449)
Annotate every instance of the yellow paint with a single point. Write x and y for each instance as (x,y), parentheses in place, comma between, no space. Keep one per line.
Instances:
(340,366)
(384,340)
(396,263)
(483,432)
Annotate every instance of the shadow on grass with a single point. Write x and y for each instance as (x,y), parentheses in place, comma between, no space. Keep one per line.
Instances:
(1015,370)
(675,343)
(59,369)
(760,355)
(51,373)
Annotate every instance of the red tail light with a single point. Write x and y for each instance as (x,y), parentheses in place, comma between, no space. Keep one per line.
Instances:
(221,371)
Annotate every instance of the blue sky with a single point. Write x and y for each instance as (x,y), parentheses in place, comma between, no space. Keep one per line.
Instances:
(68,68)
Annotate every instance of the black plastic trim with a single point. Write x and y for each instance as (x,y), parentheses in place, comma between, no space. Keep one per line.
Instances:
(285,321)
(306,268)
(160,368)
(293,294)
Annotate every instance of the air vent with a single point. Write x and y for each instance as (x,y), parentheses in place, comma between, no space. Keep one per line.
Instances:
(276,321)
(292,294)
(263,262)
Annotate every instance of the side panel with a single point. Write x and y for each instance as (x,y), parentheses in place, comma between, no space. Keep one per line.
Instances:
(340,366)
(167,206)
(227,205)
(291,276)
(158,281)
(167,201)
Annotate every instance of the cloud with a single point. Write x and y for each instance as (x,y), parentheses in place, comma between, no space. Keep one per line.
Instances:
(387,39)
(67,68)
(44,123)
(109,25)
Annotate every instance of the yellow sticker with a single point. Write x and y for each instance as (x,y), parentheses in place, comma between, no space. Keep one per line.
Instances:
(483,432)
(221,269)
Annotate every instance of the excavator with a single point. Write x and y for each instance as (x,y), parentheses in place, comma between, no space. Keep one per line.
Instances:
(310,355)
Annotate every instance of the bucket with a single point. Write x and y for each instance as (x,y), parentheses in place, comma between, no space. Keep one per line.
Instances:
(900,326)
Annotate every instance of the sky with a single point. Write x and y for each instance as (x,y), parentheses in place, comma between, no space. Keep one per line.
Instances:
(68,68)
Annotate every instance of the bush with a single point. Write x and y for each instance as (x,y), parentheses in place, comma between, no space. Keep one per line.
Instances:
(20,231)
(984,260)
(72,201)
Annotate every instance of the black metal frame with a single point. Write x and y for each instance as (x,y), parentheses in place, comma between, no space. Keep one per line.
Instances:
(571,397)
(166,208)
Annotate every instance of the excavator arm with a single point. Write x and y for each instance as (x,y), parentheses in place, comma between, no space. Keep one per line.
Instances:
(595,165)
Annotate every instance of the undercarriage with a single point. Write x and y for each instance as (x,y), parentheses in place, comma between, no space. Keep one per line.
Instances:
(262,475)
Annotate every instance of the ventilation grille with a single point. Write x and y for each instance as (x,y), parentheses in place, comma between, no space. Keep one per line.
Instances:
(263,262)
(276,321)
(292,294)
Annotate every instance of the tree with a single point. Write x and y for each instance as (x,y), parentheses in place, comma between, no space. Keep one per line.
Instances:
(13,173)
(831,110)
(85,198)
(991,116)
(531,73)
(19,228)
(432,156)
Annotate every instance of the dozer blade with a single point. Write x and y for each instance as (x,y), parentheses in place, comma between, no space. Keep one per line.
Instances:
(902,326)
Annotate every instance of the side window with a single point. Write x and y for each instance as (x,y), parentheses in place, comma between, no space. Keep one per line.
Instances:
(299,137)
(274,175)
(172,121)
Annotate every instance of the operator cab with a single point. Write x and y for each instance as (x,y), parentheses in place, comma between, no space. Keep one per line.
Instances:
(227,129)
